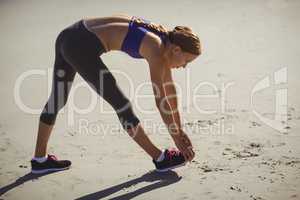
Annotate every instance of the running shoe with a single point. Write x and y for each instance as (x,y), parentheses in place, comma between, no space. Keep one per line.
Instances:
(172,159)
(50,165)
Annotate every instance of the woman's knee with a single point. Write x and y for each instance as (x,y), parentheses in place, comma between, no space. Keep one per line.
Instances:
(47,117)
(51,109)
(128,119)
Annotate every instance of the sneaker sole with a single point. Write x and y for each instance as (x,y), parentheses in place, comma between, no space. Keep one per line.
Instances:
(169,168)
(48,170)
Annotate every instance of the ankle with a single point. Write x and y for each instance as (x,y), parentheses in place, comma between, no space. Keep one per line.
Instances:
(40,159)
(161,157)
(39,155)
(158,155)
(40,152)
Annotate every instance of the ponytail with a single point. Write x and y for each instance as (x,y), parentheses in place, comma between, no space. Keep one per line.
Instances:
(181,36)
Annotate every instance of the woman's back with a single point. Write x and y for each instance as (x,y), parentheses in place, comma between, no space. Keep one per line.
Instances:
(110,30)
(124,33)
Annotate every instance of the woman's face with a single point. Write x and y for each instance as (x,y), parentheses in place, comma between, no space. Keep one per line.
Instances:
(179,58)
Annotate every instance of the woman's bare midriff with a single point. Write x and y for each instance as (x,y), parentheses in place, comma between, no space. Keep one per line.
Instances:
(111,31)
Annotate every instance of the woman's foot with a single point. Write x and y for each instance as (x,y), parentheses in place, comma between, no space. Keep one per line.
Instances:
(170,159)
(50,165)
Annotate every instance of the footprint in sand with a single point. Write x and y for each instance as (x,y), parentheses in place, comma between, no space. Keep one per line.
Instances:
(253,145)
(256,197)
(262,178)
(292,163)
(245,153)
(284,160)
(202,123)
(235,188)
(271,163)
(254,124)
(206,168)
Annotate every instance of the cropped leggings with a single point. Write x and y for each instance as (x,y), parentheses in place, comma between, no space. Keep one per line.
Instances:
(78,50)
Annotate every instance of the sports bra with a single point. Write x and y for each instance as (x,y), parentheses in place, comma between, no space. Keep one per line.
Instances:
(135,35)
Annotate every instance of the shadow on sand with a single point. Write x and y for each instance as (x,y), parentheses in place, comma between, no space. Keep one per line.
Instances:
(20,181)
(160,179)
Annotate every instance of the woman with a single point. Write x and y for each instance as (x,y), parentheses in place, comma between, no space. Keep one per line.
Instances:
(78,48)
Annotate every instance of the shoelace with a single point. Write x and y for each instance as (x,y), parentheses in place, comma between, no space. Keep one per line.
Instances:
(172,153)
(53,157)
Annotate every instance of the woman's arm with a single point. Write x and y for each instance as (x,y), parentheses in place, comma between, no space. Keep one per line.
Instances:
(168,107)
(156,73)
(171,96)
(170,93)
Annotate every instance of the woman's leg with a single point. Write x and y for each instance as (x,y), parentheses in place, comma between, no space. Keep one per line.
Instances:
(63,76)
(43,135)
(139,136)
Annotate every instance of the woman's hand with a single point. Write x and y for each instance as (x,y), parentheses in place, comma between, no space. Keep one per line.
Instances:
(183,143)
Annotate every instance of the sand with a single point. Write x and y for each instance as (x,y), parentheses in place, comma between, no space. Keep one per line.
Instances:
(246,148)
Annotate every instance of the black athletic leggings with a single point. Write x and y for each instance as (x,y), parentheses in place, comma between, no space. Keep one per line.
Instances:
(78,50)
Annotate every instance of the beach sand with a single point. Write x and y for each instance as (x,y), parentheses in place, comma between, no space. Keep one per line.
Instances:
(246,148)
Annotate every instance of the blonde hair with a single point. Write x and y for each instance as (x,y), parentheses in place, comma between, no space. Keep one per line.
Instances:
(181,36)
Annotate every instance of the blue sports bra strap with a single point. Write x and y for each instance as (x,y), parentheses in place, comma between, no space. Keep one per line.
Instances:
(133,39)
